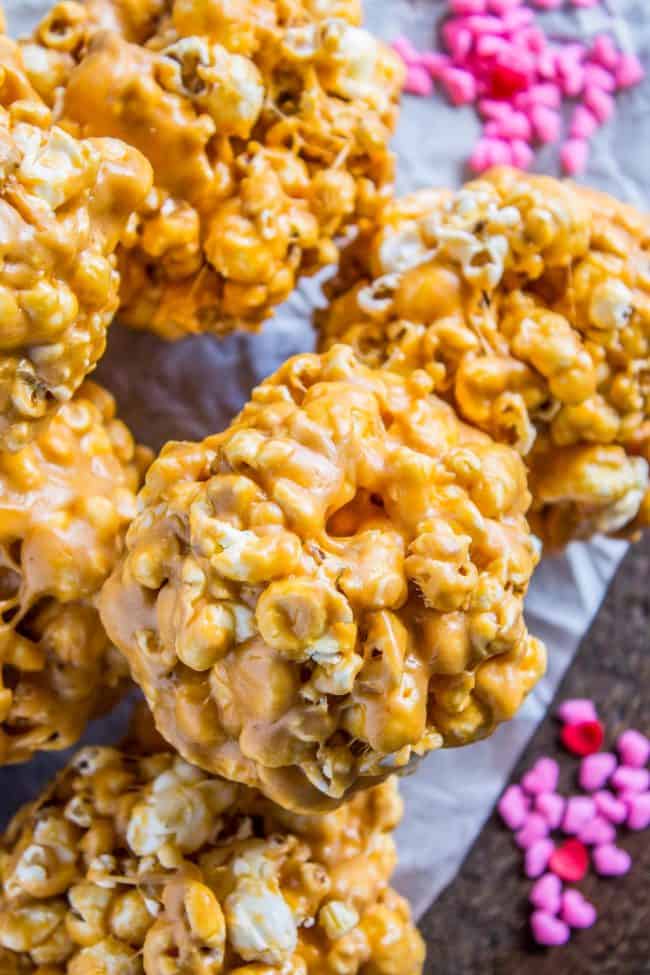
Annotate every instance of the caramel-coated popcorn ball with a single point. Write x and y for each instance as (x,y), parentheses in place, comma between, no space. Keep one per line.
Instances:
(527,301)
(134,864)
(64,203)
(331,587)
(65,502)
(266,122)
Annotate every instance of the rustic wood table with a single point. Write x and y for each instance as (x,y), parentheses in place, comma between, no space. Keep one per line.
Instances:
(479,925)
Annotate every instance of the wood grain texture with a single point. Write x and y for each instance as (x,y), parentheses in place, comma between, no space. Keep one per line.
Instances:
(479,926)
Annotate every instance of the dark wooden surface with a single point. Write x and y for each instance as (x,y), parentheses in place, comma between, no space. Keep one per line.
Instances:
(479,926)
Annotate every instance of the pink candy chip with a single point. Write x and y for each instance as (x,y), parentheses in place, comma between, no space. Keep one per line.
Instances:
(574,156)
(611,861)
(546,123)
(600,103)
(537,857)
(634,748)
(630,71)
(542,777)
(604,52)
(513,807)
(548,930)
(551,806)
(639,811)
(406,50)
(576,710)
(613,809)
(535,828)
(597,831)
(595,770)
(418,80)
(583,123)
(626,779)
(464,7)
(576,910)
(599,77)
(460,85)
(546,893)
(522,154)
(503,6)
(579,810)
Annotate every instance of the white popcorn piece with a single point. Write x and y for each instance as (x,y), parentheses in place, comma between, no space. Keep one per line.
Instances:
(261,926)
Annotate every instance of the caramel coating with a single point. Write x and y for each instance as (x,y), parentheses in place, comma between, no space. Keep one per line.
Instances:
(64,203)
(65,502)
(527,301)
(331,587)
(135,864)
(266,122)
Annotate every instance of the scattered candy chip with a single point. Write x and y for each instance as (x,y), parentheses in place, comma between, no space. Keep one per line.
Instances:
(570,861)
(535,828)
(537,857)
(548,930)
(613,809)
(630,71)
(579,810)
(576,910)
(611,861)
(639,811)
(634,748)
(577,710)
(513,807)
(586,737)
(626,779)
(543,777)
(551,806)
(418,80)
(546,893)
(595,770)
(597,831)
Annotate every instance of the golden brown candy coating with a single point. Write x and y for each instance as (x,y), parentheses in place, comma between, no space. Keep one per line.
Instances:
(64,203)
(65,502)
(527,301)
(134,864)
(330,587)
(266,123)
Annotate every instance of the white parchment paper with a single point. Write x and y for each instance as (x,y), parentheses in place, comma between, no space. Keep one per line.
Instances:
(192,388)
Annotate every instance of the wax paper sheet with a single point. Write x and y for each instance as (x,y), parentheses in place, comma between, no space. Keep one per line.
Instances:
(192,388)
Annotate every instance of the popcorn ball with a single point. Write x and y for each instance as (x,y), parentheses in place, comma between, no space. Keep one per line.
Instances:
(63,205)
(266,124)
(65,501)
(135,864)
(331,587)
(527,302)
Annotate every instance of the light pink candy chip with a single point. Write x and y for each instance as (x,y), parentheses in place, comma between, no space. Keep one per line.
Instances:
(574,156)
(459,84)
(576,710)
(600,103)
(406,50)
(546,893)
(639,811)
(546,123)
(597,831)
(513,807)
(535,828)
(576,910)
(434,62)
(604,52)
(551,806)
(634,748)
(613,809)
(579,810)
(583,123)
(548,930)
(463,7)
(542,777)
(458,39)
(599,77)
(503,6)
(611,861)
(595,770)
(522,154)
(630,71)
(418,81)
(626,779)
(537,857)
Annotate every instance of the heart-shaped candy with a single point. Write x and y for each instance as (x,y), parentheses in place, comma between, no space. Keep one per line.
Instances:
(551,806)
(542,777)
(595,770)
(577,710)
(634,748)
(579,810)
(513,807)
(627,779)
(576,910)
(535,828)
(537,856)
(548,930)
(546,893)
(611,861)
(583,738)
(597,831)
(639,810)
(570,860)
(610,807)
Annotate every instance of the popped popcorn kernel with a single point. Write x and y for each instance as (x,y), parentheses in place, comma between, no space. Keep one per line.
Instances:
(266,125)
(332,587)
(65,502)
(527,302)
(256,888)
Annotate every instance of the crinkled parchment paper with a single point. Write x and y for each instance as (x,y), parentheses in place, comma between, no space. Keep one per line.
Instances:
(192,388)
